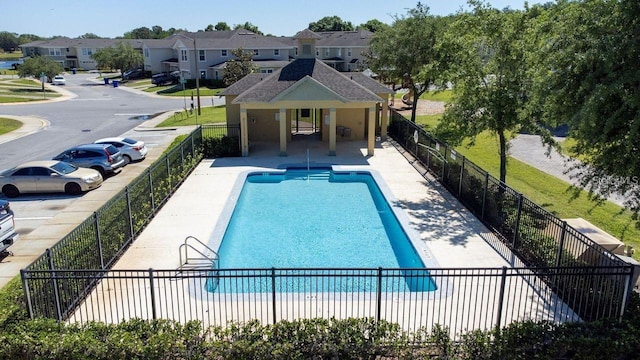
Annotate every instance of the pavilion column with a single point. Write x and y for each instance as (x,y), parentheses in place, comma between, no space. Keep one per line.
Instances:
(244,133)
(282,118)
(371,134)
(332,132)
(384,121)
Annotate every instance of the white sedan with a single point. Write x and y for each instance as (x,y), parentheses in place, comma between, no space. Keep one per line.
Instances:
(59,80)
(48,176)
(131,150)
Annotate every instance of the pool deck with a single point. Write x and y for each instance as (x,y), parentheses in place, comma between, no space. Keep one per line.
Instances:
(448,236)
(453,236)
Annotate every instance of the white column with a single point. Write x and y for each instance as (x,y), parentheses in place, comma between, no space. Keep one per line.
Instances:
(371,134)
(385,118)
(332,132)
(244,133)
(282,116)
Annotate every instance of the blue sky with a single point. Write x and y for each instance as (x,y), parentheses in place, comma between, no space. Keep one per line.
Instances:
(113,18)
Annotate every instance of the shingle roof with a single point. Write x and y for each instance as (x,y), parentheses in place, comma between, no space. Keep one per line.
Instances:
(281,80)
(88,43)
(259,63)
(242,85)
(344,38)
(370,83)
(239,38)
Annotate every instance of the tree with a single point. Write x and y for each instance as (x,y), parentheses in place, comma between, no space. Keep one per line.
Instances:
(8,41)
(238,67)
(90,36)
(209,28)
(408,51)
(139,33)
(331,23)
(122,57)
(248,26)
(37,65)
(373,26)
(222,26)
(490,78)
(591,81)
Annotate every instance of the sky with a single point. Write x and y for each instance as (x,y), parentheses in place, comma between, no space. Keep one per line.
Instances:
(73,18)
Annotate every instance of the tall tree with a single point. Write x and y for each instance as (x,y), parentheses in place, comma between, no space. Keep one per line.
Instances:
(592,82)
(373,25)
(331,23)
(490,78)
(222,26)
(408,51)
(139,33)
(238,67)
(8,41)
(37,65)
(122,57)
(209,28)
(248,26)
(90,36)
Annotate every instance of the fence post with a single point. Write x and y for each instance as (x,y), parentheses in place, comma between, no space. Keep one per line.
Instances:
(128,198)
(516,227)
(27,294)
(96,219)
(153,203)
(273,294)
(503,281)
(379,296)
(464,159)
(484,193)
(169,173)
(153,294)
(54,283)
(561,244)
(444,164)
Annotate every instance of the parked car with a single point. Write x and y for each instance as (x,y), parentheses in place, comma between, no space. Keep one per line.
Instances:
(104,158)
(7,228)
(166,78)
(132,150)
(48,176)
(134,74)
(59,80)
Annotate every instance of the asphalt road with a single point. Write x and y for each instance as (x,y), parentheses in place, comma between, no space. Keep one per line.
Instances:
(89,110)
(96,110)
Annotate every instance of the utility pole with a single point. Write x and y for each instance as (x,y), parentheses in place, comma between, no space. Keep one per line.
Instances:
(196,59)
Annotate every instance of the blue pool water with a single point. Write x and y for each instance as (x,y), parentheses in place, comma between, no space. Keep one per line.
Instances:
(318,219)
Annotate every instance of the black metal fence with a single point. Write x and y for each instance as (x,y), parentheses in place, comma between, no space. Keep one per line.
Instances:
(102,238)
(460,299)
(537,237)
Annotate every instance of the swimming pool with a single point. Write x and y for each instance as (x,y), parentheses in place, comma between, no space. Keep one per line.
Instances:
(322,219)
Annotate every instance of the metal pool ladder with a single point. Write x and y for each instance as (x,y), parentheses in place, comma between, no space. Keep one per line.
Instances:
(200,260)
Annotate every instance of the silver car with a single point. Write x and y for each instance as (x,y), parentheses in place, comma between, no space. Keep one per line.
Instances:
(132,150)
(48,176)
(104,158)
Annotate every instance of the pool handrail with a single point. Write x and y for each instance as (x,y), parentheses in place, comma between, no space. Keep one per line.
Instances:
(211,261)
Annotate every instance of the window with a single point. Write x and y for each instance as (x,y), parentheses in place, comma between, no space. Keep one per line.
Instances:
(146,53)
(201,56)
(306,49)
(87,51)
(296,51)
(266,71)
(276,52)
(40,171)
(317,52)
(224,52)
(256,52)
(339,52)
(55,52)
(183,55)
(349,52)
(326,52)
(203,74)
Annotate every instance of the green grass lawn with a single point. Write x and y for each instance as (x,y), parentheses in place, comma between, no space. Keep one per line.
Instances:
(8,125)
(444,96)
(546,190)
(210,115)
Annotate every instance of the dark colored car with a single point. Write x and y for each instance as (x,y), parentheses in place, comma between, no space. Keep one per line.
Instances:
(104,158)
(166,78)
(134,74)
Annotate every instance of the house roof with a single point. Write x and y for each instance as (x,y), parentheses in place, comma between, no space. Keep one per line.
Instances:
(259,63)
(344,38)
(239,38)
(266,88)
(65,42)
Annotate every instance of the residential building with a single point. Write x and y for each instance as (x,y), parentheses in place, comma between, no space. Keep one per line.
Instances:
(205,54)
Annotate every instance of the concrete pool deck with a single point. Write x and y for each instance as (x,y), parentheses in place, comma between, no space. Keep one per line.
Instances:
(453,236)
